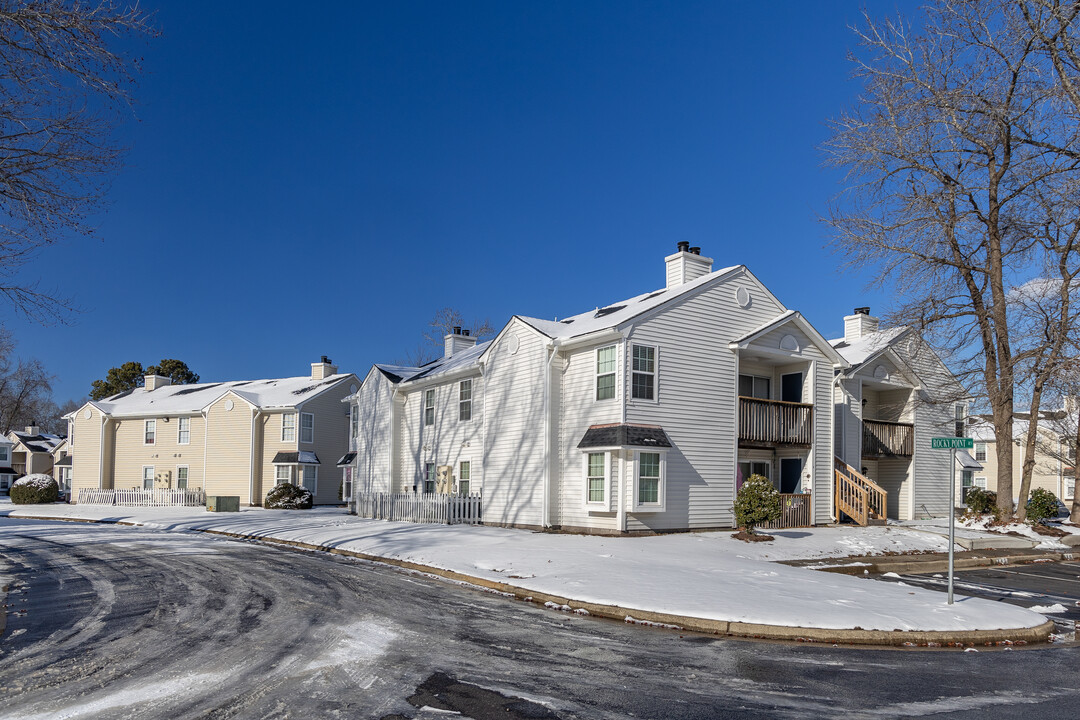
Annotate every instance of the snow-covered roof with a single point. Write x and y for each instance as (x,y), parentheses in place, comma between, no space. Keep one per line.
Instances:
(180,399)
(459,360)
(617,313)
(38,442)
(866,348)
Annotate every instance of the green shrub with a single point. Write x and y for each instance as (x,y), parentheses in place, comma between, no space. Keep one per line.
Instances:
(757,502)
(982,502)
(288,497)
(1042,505)
(34,489)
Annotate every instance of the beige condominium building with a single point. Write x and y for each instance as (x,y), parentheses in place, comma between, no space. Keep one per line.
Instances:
(230,438)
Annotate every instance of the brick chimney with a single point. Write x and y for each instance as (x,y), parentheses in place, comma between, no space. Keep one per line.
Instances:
(323,369)
(457,341)
(859,324)
(685,265)
(153,382)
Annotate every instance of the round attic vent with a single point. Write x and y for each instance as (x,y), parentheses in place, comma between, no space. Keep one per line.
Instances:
(352,388)
(88,413)
(881,372)
(789,343)
(512,344)
(742,296)
(229,404)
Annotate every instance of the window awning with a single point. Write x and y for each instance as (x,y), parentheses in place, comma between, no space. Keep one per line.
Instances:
(346,459)
(965,461)
(8,471)
(304,457)
(64,461)
(625,435)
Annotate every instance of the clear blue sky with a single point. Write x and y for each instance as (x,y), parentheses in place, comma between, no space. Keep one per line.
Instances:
(320,179)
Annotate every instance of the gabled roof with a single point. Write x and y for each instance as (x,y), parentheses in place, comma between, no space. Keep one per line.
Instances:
(869,347)
(192,399)
(303,457)
(460,360)
(796,318)
(39,442)
(615,314)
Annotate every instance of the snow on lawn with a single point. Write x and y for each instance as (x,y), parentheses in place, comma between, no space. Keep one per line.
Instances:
(702,575)
(1046,542)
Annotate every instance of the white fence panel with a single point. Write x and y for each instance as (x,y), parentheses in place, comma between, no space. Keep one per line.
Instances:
(143,498)
(420,507)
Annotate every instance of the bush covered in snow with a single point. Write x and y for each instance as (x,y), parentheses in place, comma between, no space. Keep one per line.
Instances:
(982,502)
(757,502)
(1042,505)
(33,489)
(288,497)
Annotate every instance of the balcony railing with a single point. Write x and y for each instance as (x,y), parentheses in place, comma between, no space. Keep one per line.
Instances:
(887,439)
(775,422)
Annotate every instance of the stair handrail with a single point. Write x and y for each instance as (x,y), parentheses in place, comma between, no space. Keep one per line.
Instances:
(878,496)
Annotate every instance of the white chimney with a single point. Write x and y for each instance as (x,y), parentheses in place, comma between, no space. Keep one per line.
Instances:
(153,382)
(322,369)
(859,325)
(685,265)
(33,428)
(457,341)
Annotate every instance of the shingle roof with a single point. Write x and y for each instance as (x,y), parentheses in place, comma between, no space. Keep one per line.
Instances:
(624,435)
(865,348)
(40,442)
(304,457)
(64,461)
(346,459)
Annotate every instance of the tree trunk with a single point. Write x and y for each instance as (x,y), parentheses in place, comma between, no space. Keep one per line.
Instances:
(1003,449)
(1075,516)
(1029,454)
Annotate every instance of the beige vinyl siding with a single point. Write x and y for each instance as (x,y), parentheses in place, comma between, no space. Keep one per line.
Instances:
(1047,473)
(513,481)
(331,438)
(373,442)
(86,453)
(696,390)
(270,443)
(130,454)
(228,448)
(578,409)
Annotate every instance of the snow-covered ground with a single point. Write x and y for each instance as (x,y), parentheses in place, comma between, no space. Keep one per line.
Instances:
(1045,542)
(701,575)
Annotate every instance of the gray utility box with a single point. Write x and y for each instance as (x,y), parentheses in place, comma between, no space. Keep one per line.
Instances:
(223,503)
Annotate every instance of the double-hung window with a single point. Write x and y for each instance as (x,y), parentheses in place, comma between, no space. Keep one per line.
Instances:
(464,477)
(961,416)
(355,426)
(596,479)
(288,427)
(980,451)
(429,407)
(148,477)
(649,481)
(465,400)
(4,455)
(149,432)
(429,477)
(605,373)
(183,430)
(307,428)
(181,477)
(283,474)
(644,373)
(311,478)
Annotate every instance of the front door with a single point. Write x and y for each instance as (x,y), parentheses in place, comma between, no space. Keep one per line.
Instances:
(790,474)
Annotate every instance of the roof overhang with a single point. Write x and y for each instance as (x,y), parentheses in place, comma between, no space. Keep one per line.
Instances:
(795,318)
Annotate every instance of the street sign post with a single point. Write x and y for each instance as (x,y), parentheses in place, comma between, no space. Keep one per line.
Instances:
(953,444)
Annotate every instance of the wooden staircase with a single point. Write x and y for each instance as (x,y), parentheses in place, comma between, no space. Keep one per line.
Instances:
(858,497)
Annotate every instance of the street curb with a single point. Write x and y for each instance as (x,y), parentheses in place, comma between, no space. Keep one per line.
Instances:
(904,565)
(854,636)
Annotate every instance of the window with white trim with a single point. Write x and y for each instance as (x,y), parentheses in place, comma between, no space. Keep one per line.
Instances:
(465,400)
(429,477)
(346,484)
(288,427)
(149,432)
(283,474)
(311,478)
(4,458)
(755,386)
(980,482)
(980,451)
(649,481)
(464,477)
(605,373)
(183,431)
(643,382)
(65,479)
(596,479)
(354,428)
(307,428)
(1070,488)
(961,418)
(148,477)
(429,407)
(181,477)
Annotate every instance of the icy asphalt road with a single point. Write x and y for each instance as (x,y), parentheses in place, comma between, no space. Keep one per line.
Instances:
(107,622)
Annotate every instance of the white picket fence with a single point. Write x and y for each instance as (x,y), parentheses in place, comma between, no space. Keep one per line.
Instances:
(420,507)
(143,498)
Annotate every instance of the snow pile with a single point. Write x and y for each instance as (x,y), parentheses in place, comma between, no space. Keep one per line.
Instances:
(36,481)
(986,523)
(1049,609)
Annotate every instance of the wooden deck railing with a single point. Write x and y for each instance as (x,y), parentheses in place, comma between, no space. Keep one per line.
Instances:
(420,507)
(881,438)
(775,421)
(794,513)
(859,497)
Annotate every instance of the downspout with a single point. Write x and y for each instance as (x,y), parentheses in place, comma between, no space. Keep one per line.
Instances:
(205,459)
(255,412)
(393,436)
(483,433)
(101,454)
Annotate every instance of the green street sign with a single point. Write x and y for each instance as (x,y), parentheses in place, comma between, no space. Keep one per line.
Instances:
(951,443)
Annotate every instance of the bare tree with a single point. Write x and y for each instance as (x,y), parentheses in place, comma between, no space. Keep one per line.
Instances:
(25,388)
(63,89)
(441,325)
(963,165)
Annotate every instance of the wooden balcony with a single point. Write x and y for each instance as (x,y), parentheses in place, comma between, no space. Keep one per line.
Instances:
(774,422)
(887,439)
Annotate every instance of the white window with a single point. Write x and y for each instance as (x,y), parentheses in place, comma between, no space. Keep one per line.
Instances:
(649,475)
(465,400)
(1070,488)
(464,477)
(429,477)
(181,477)
(148,477)
(183,431)
(65,479)
(4,454)
(307,428)
(288,427)
(149,432)
(980,482)
(311,478)
(961,415)
(71,433)
(429,407)
(753,386)
(283,474)
(596,480)
(980,451)
(346,485)
(355,427)
(643,385)
(605,373)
